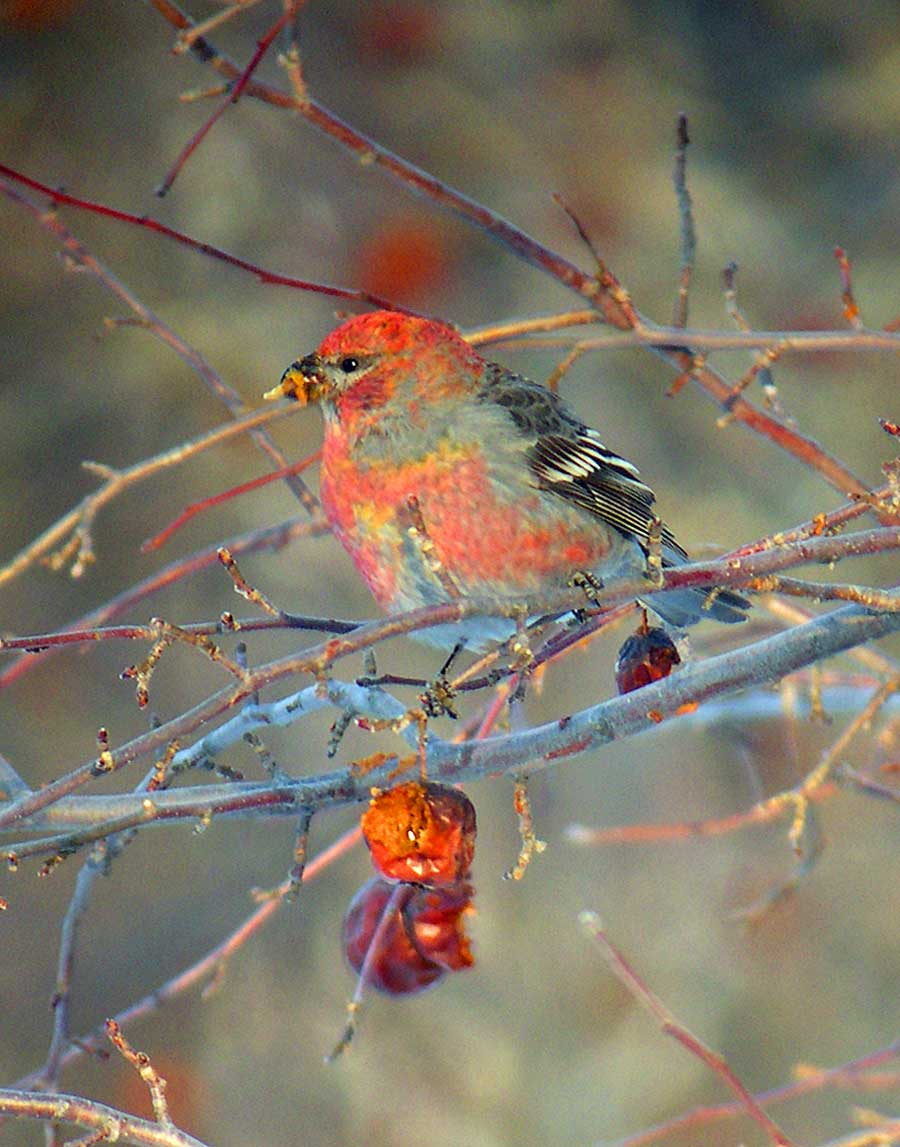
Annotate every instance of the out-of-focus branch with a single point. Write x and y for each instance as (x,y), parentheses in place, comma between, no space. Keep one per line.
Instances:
(11,784)
(78,522)
(814,787)
(272,278)
(209,968)
(235,91)
(670,1026)
(858,1074)
(686,224)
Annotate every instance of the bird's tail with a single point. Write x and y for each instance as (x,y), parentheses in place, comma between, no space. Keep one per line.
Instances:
(683,607)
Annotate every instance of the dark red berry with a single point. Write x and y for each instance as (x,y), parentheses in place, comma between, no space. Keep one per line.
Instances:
(646,656)
(397,968)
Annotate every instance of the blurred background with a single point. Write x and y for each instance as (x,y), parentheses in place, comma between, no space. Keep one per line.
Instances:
(794,113)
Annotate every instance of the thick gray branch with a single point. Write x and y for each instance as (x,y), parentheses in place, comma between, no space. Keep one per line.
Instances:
(620,717)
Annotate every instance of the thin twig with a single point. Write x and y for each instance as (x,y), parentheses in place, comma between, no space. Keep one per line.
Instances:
(235,91)
(753,566)
(268,538)
(210,965)
(217,386)
(855,1074)
(204,504)
(79,520)
(270,278)
(851,309)
(669,1025)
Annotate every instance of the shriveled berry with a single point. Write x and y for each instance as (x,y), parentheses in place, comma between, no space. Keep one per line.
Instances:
(397,968)
(421,833)
(645,656)
(435,921)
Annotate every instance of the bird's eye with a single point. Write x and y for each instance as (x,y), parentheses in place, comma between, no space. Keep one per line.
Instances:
(349,365)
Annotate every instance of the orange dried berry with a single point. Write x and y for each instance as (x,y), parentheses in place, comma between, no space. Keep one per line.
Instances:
(421,833)
(397,968)
(435,922)
(646,656)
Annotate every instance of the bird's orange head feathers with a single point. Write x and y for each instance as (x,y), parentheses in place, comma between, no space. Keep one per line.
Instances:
(366,358)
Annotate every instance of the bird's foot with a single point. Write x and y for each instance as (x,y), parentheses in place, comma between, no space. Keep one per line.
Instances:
(437,700)
(590,585)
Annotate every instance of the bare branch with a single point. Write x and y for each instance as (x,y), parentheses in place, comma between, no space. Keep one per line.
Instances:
(590,921)
(765,661)
(115,1126)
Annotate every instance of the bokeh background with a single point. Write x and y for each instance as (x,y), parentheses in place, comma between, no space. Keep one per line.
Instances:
(794,113)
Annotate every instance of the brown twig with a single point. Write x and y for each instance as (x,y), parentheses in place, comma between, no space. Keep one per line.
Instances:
(243,588)
(85,629)
(705,339)
(217,386)
(397,901)
(165,634)
(822,591)
(851,309)
(234,94)
(140,1061)
(761,813)
(78,522)
(531,846)
(816,786)
(40,643)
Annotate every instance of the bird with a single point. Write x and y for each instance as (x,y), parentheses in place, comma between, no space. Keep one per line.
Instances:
(447,476)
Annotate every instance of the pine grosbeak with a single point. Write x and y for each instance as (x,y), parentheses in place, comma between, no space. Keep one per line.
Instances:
(514,492)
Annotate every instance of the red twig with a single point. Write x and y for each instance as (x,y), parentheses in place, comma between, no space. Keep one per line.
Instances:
(809,1079)
(144,221)
(225,496)
(604,291)
(233,96)
(851,308)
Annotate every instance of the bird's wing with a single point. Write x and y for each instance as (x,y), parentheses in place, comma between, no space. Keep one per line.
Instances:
(569,459)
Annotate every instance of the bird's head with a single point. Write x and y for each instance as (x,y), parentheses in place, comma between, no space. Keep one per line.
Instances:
(366,360)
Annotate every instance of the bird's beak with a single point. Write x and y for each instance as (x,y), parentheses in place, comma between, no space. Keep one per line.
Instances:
(303,381)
